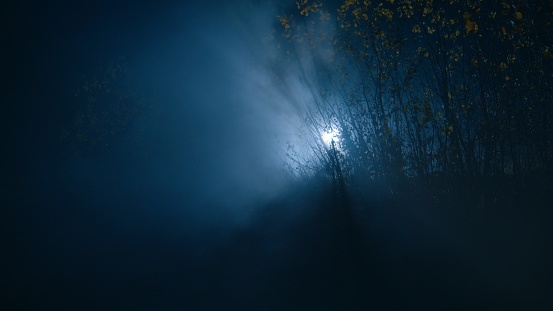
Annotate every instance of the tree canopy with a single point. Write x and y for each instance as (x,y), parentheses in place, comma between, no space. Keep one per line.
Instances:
(439,93)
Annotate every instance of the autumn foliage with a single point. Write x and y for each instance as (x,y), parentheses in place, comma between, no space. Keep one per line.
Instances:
(447,95)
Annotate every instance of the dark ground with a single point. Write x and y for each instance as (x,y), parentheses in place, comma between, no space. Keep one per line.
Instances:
(102,250)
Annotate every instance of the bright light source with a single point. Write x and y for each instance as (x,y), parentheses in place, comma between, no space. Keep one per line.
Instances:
(329,136)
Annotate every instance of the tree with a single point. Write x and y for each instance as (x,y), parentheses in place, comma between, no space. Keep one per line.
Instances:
(439,93)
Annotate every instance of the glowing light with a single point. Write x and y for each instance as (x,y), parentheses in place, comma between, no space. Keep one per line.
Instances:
(329,136)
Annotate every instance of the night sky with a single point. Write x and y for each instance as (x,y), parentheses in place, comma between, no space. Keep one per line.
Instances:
(142,170)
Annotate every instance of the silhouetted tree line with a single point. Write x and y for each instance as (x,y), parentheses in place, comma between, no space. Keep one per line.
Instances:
(441,95)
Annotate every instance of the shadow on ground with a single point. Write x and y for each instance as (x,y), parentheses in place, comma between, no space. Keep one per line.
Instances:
(298,252)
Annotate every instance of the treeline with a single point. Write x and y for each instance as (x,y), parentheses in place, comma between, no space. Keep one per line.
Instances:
(445,95)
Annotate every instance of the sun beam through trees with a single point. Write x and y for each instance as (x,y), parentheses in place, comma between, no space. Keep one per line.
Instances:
(442,94)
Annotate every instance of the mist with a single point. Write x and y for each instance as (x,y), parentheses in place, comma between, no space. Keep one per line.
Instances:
(207,126)
(97,197)
(150,163)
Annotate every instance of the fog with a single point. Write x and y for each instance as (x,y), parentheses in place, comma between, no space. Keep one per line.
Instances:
(131,207)
(181,199)
(209,127)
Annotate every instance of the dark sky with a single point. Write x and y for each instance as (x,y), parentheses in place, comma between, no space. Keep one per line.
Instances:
(197,67)
(186,205)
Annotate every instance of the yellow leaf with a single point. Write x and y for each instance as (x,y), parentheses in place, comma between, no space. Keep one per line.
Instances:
(518,15)
(471,26)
